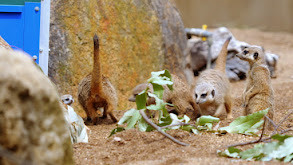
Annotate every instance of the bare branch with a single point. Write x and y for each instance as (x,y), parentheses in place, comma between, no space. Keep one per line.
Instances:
(160,129)
(286,130)
(174,125)
(272,122)
(263,129)
(283,120)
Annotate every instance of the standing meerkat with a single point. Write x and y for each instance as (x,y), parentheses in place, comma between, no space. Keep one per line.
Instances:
(258,94)
(95,91)
(212,90)
(180,97)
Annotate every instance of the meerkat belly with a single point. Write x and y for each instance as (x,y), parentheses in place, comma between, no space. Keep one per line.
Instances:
(208,109)
(258,102)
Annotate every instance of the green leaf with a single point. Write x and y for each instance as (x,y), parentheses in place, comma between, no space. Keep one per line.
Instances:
(195,131)
(249,124)
(188,128)
(233,150)
(142,125)
(158,90)
(114,131)
(159,103)
(201,121)
(141,100)
(130,117)
(283,150)
(229,154)
(186,119)
(165,121)
(288,158)
(280,138)
(161,78)
(255,152)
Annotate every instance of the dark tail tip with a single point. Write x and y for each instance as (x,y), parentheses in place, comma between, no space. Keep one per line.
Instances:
(96,41)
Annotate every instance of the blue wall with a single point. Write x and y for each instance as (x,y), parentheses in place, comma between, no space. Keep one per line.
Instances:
(20,26)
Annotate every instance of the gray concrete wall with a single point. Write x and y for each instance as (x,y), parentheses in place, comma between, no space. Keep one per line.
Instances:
(272,15)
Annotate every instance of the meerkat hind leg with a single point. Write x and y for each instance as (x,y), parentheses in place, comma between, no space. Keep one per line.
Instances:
(219,110)
(108,109)
(91,110)
(228,105)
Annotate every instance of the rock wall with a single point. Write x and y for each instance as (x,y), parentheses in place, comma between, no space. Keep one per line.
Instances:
(32,127)
(136,37)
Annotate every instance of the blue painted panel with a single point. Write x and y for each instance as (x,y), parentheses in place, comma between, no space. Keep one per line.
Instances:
(7,8)
(12,27)
(32,28)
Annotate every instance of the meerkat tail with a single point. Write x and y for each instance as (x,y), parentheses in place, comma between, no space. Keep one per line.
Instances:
(221,60)
(96,83)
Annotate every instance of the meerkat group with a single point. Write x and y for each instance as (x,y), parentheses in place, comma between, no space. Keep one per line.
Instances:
(211,94)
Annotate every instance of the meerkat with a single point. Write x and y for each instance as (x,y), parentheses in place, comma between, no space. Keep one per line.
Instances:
(212,90)
(95,91)
(180,97)
(258,94)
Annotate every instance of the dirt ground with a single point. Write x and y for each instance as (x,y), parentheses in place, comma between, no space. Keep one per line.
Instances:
(153,148)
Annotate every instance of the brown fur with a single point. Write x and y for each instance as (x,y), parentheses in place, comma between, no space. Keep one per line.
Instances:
(212,89)
(258,94)
(96,91)
(181,97)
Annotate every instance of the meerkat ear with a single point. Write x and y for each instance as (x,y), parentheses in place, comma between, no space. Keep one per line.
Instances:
(255,55)
(213,93)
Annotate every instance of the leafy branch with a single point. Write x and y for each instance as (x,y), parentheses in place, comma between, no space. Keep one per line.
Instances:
(280,149)
(164,121)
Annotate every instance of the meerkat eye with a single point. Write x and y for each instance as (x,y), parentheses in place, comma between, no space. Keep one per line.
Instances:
(195,95)
(255,55)
(243,47)
(67,99)
(203,95)
(245,52)
(213,93)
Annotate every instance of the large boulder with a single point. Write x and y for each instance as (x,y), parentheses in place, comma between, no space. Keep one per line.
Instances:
(136,37)
(32,127)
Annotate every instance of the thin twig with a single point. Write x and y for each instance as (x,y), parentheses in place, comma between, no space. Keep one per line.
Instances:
(263,129)
(174,125)
(159,129)
(286,130)
(283,120)
(272,122)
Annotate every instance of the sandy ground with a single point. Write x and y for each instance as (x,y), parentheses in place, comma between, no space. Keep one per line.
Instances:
(152,148)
